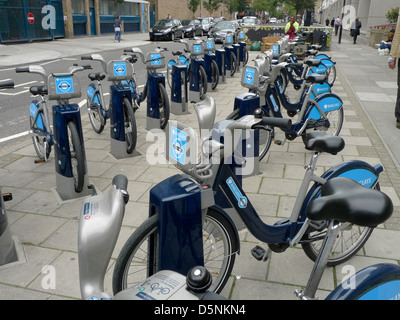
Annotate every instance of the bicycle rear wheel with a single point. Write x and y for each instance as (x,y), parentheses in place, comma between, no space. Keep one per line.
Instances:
(40,143)
(96,117)
(214,74)
(350,240)
(77,156)
(163,103)
(130,126)
(219,243)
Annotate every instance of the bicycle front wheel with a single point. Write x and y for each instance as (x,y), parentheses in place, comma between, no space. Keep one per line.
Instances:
(233,64)
(203,81)
(219,243)
(77,156)
(163,103)
(130,126)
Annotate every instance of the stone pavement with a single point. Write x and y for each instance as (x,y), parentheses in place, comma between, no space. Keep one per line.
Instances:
(45,229)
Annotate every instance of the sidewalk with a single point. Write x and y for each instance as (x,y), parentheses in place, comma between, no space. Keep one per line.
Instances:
(45,230)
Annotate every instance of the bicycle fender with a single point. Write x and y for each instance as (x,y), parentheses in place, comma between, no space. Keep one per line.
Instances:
(91,90)
(376,282)
(229,219)
(327,102)
(32,111)
(320,89)
(357,170)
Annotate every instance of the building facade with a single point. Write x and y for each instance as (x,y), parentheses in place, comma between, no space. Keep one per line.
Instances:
(30,20)
(370,12)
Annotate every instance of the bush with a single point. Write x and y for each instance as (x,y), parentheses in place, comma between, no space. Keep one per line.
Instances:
(392,15)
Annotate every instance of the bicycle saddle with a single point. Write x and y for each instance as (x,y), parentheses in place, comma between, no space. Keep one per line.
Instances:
(316,47)
(346,200)
(38,90)
(322,142)
(177,53)
(96,76)
(316,78)
(312,62)
(311,52)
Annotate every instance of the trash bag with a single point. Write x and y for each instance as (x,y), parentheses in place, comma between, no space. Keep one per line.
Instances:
(256,46)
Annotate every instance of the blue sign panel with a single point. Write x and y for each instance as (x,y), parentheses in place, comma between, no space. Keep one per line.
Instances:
(64,85)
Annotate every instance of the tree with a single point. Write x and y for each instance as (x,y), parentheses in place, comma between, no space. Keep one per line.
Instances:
(212,5)
(392,15)
(193,5)
(301,5)
(235,5)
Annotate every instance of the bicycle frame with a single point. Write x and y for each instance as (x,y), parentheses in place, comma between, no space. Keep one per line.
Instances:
(93,91)
(37,109)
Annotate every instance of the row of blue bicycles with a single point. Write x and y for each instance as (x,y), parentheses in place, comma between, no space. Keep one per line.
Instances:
(187,247)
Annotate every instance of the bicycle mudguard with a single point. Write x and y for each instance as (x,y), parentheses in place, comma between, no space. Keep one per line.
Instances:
(32,110)
(184,60)
(357,170)
(318,69)
(319,88)
(327,102)
(91,93)
(376,282)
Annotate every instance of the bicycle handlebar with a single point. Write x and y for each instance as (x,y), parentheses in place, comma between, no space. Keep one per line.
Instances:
(21,69)
(7,84)
(120,182)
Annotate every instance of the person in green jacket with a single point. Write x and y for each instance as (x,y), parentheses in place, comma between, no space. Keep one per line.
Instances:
(292,28)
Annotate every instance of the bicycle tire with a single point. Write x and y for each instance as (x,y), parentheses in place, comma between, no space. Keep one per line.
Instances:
(136,248)
(163,102)
(203,80)
(310,248)
(245,56)
(130,126)
(331,72)
(77,156)
(266,136)
(96,117)
(214,74)
(169,72)
(335,124)
(233,64)
(39,143)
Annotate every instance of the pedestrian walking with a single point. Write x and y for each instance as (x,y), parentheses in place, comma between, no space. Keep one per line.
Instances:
(355,29)
(393,59)
(117,29)
(338,23)
(327,22)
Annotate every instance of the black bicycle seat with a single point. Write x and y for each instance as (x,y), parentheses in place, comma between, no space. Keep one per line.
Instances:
(96,76)
(316,47)
(311,52)
(312,62)
(38,90)
(346,200)
(316,78)
(177,53)
(322,142)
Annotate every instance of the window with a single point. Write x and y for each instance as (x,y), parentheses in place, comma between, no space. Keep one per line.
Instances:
(78,7)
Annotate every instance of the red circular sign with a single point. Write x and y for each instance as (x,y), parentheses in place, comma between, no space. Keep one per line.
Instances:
(31,18)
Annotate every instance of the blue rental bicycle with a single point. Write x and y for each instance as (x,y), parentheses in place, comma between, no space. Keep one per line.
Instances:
(178,240)
(60,87)
(98,111)
(342,201)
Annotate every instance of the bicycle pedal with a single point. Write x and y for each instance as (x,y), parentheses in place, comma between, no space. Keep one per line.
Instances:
(278,142)
(39,161)
(259,253)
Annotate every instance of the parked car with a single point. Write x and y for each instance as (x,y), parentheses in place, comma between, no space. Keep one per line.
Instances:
(169,29)
(219,31)
(192,28)
(273,20)
(206,24)
(249,22)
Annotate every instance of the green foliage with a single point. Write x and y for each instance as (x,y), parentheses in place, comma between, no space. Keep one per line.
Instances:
(193,5)
(392,15)
(235,5)
(212,5)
